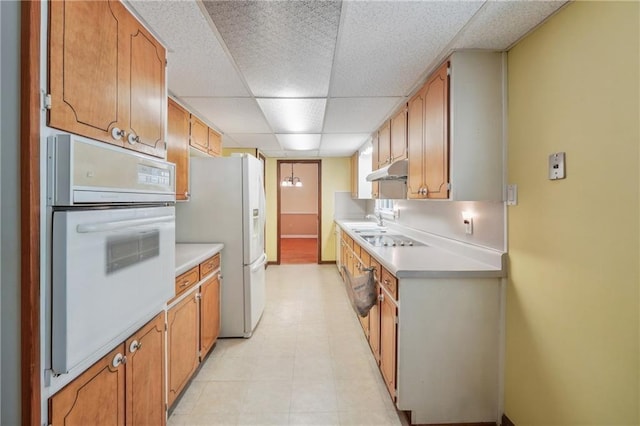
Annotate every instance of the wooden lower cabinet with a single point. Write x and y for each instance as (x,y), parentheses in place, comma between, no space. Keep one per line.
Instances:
(145,375)
(182,344)
(388,342)
(374,316)
(123,388)
(94,398)
(209,314)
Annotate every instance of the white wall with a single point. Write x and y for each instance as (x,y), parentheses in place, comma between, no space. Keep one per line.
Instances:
(9,208)
(444,218)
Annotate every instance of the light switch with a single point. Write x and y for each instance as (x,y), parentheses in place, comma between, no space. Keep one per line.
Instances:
(556,166)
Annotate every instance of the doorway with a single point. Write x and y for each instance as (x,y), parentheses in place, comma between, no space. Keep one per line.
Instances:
(299,211)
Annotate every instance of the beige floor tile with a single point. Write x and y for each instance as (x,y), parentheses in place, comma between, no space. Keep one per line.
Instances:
(365,418)
(358,395)
(314,396)
(189,398)
(206,419)
(270,367)
(314,419)
(267,396)
(221,397)
(312,368)
(264,419)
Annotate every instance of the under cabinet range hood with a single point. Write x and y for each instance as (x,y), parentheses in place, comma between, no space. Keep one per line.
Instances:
(394,171)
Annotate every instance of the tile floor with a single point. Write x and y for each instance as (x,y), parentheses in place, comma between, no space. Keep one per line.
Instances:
(308,363)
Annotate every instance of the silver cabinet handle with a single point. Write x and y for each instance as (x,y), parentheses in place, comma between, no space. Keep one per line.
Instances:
(116,133)
(187,194)
(133,139)
(118,359)
(134,346)
(381,297)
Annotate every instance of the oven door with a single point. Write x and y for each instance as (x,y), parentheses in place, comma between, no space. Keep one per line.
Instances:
(113,270)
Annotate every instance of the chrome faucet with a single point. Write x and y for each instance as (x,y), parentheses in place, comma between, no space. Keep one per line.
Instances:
(377,216)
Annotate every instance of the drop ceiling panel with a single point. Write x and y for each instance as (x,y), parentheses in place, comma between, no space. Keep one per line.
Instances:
(499,24)
(303,154)
(299,142)
(343,142)
(294,115)
(229,142)
(197,65)
(357,115)
(384,47)
(275,154)
(283,48)
(262,141)
(230,115)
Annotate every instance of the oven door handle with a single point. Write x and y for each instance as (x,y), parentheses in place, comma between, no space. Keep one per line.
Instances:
(121,224)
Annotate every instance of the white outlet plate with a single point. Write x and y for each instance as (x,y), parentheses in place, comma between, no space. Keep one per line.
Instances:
(556,166)
(512,195)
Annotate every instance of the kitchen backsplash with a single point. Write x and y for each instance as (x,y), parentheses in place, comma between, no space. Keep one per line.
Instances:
(346,207)
(444,218)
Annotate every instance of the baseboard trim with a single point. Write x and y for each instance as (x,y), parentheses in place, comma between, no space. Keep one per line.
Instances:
(506,421)
(327,262)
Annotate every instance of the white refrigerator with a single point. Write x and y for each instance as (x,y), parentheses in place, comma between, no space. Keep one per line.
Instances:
(227,206)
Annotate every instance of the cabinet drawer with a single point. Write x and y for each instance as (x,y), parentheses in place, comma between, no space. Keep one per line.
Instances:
(186,280)
(389,282)
(209,265)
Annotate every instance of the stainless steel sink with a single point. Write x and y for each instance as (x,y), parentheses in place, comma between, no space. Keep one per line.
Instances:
(386,240)
(370,231)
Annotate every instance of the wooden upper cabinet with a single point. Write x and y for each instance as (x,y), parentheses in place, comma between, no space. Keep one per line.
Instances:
(199,134)
(147,98)
(399,135)
(428,138)
(354,175)
(215,143)
(384,145)
(106,76)
(178,146)
(375,187)
(96,397)
(87,77)
(145,375)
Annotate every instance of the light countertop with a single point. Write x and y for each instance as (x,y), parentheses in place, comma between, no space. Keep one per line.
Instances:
(189,255)
(439,258)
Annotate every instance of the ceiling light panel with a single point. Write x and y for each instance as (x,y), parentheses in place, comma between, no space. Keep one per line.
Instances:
(498,25)
(357,115)
(300,142)
(283,48)
(262,141)
(230,115)
(197,65)
(386,46)
(294,115)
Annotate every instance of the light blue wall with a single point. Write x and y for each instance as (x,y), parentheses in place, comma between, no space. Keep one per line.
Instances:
(9,209)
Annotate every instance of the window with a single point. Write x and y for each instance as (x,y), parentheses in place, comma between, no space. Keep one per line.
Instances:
(386,208)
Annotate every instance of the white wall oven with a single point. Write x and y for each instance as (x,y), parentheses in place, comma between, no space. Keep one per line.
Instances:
(112,247)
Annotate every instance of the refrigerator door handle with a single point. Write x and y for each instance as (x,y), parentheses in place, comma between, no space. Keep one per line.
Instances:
(259,263)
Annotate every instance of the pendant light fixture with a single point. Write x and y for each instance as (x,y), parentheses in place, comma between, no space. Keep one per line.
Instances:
(291,180)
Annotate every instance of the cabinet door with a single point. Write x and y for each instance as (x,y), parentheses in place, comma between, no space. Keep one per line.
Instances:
(199,134)
(374,317)
(215,143)
(384,145)
(86,74)
(436,134)
(415,144)
(178,146)
(148,95)
(145,375)
(97,397)
(209,314)
(183,343)
(399,135)
(375,191)
(354,175)
(388,343)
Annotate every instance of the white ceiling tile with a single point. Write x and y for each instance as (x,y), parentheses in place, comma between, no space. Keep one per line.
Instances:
(197,65)
(275,154)
(294,115)
(229,142)
(283,48)
(385,46)
(303,154)
(262,141)
(335,152)
(357,115)
(343,142)
(230,115)
(299,142)
(499,24)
